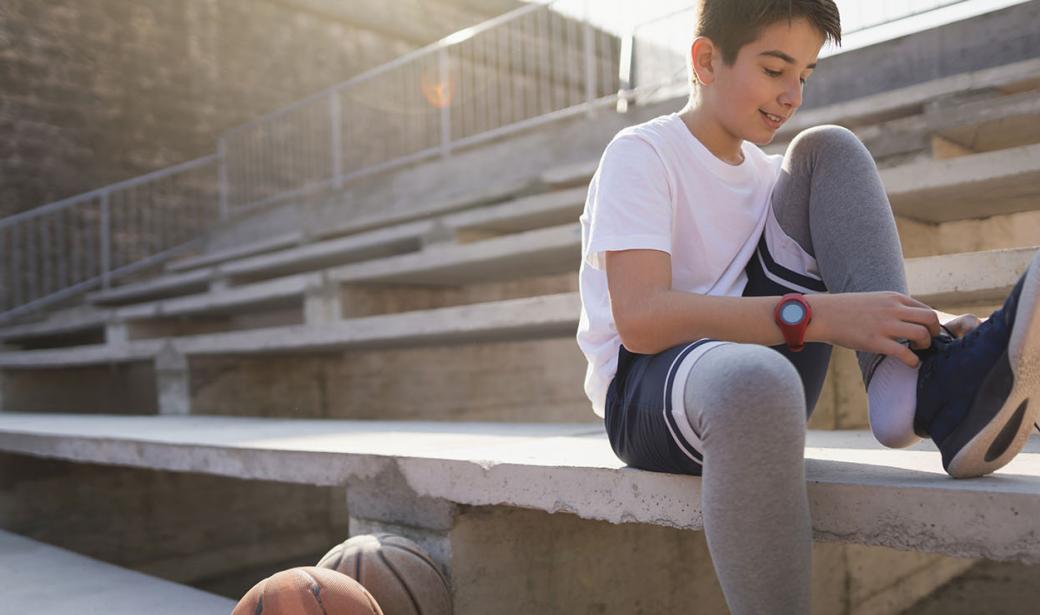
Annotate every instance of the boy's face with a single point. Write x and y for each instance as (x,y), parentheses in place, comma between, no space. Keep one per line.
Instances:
(761,79)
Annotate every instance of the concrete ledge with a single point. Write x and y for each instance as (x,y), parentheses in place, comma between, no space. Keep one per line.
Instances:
(530,317)
(859,491)
(967,278)
(524,214)
(284,240)
(976,186)
(76,319)
(255,295)
(372,244)
(164,286)
(971,278)
(98,354)
(513,216)
(538,252)
(865,113)
(989,124)
(527,318)
(43,578)
(909,100)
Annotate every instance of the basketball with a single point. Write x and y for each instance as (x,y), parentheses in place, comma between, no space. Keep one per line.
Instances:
(307,591)
(399,573)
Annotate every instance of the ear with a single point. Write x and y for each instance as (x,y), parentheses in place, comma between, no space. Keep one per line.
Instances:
(703,55)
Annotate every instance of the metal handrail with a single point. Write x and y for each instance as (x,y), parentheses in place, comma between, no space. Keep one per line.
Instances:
(97,192)
(440,91)
(85,241)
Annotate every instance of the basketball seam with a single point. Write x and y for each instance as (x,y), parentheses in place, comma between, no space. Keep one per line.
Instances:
(426,559)
(316,590)
(400,579)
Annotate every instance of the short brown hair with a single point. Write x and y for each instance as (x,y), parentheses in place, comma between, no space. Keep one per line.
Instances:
(731,24)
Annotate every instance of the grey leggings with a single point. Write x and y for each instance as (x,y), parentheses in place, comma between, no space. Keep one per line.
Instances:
(747,401)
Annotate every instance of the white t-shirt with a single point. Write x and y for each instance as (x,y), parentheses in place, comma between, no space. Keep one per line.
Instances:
(658,187)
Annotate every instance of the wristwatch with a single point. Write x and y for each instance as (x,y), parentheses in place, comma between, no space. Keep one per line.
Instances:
(793,315)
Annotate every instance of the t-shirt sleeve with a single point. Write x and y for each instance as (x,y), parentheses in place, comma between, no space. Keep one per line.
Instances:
(632,205)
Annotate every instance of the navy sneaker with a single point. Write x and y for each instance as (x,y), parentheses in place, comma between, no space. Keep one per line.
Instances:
(977,395)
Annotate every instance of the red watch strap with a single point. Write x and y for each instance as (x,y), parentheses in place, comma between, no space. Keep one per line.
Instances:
(794,335)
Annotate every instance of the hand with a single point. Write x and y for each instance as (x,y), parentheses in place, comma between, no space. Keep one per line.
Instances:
(963,324)
(879,322)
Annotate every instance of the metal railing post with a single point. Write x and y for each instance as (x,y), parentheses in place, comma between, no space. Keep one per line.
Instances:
(590,60)
(444,73)
(336,127)
(105,244)
(625,71)
(222,181)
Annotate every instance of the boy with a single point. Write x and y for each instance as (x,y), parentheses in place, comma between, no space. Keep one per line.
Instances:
(715,280)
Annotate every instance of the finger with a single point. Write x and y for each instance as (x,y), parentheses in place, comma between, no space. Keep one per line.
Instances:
(901,352)
(925,317)
(909,301)
(918,335)
(961,325)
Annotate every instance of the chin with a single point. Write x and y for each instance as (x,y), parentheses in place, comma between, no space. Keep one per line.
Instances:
(762,141)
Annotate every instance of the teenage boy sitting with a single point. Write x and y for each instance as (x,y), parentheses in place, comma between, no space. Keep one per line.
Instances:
(715,280)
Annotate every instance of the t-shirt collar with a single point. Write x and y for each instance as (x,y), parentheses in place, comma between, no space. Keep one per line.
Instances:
(723,170)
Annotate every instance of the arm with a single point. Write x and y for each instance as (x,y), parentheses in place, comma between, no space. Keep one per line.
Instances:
(651,317)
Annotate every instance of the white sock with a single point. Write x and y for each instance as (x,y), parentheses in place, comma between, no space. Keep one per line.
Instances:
(892,396)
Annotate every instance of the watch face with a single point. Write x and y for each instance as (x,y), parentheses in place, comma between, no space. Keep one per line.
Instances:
(792,312)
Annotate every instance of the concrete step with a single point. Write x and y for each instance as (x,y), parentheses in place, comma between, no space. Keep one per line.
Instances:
(524,214)
(523,254)
(351,248)
(911,100)
(511,216)
(156,288)
(40,578)
(870,110)
(280,242)
(961,188)
(859,491)
(950,126)
(252,296)
(59,322)
(988,124)
(975,186)
(977,278)
(527,318)
(993,108)
(539,252)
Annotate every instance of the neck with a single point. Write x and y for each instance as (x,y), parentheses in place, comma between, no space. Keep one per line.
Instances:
(709,132)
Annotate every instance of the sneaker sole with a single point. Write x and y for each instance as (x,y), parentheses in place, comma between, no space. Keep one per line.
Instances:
(1008,401)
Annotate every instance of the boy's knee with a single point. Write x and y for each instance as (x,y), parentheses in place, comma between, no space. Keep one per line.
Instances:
(831,138)
(747,382)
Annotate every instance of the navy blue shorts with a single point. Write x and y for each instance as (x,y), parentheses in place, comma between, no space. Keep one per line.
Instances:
(644,414)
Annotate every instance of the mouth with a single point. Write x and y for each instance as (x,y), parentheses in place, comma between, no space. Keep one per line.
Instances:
(773,121)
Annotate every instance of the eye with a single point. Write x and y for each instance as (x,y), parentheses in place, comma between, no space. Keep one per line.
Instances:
(777,73)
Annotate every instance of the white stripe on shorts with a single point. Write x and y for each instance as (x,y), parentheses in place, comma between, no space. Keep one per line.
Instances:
(678,402)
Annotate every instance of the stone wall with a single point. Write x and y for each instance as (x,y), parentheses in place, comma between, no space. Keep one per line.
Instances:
(96,91)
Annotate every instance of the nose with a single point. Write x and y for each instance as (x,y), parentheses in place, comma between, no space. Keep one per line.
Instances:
(792,95)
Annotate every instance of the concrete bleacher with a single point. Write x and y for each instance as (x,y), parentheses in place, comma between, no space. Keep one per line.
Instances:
(974,185)
(462,307)
(33,572)
(437,475)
